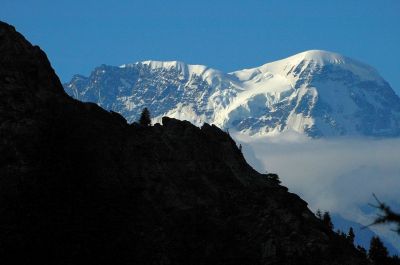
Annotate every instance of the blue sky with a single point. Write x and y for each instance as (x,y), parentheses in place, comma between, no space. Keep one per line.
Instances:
(227,35)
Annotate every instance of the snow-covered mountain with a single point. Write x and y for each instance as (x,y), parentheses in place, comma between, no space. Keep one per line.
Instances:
(317,93)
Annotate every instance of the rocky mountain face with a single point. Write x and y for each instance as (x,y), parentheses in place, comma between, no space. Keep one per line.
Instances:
(79,185)
(316,93)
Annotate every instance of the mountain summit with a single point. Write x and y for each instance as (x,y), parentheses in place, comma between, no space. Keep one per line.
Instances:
(316,93)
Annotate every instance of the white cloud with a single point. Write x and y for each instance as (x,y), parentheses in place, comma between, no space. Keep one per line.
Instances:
(337,175)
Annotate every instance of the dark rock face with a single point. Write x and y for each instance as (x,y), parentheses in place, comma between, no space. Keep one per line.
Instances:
(78,185)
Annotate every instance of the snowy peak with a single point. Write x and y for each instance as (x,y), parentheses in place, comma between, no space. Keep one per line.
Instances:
(177,65)
(181,68)
(164,64)
(318,56)
(309,62)
(316,93)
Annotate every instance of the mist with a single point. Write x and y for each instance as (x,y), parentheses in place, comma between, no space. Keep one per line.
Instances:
(338,175)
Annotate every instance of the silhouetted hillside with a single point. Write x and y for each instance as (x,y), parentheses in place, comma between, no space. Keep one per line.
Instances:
(78,185)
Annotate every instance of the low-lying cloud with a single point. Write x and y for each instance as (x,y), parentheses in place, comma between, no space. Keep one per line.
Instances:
(337,175)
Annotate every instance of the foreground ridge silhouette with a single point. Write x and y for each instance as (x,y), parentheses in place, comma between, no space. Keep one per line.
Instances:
(81,186)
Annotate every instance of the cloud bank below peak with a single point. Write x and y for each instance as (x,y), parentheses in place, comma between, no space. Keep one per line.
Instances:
(338,175)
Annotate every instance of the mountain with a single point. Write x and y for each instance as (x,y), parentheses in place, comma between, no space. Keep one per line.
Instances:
(316,93)
(79,185)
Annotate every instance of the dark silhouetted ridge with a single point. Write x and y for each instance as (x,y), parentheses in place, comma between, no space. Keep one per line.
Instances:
(78,185)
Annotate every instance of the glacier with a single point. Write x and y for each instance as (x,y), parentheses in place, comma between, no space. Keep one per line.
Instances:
(314,93)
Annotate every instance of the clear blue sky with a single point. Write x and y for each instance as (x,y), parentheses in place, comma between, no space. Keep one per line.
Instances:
(227,35)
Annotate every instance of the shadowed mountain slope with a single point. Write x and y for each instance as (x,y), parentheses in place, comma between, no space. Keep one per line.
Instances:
(78,185)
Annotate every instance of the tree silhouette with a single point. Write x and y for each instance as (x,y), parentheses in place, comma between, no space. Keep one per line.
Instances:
(351,235)
(327,220)
(362,250)
(378,253)
(319,214)
(395,260)
(274,177)
(145,119)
